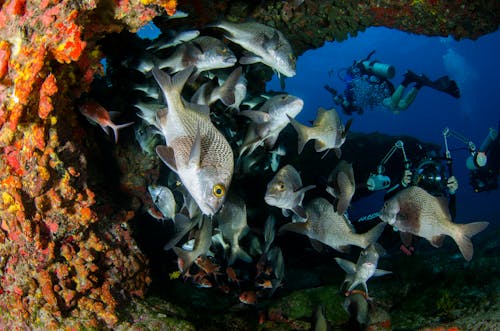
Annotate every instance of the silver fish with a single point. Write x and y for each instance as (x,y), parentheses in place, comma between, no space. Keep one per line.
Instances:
(194,148)
(269,120)
(327,130)
(326,226)
(164,200)
(148,111)
(176,39)
(147,137)
(204,52)
(267,44)
(285,191)
(413,211)
(232,220)
(201,246)
(364,269)
(341,185)
(182,225)
(210,92)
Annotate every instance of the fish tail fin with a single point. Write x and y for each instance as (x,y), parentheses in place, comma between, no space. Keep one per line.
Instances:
(237,253)
(226,91)
(115,129)
(187,258)
(175,83)
(303,132)
(462,237)
(373,234)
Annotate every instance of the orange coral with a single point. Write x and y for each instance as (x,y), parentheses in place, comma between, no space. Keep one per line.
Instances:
(49,87)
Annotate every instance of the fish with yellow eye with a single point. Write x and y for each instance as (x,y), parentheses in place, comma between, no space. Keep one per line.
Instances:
(194,149)
(285,191)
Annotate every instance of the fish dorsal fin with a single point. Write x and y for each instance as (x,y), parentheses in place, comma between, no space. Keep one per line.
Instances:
(322,112)
(257,116)
(166,154)
(195,154)
(346,128)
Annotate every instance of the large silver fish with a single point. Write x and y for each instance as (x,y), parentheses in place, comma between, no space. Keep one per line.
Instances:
(194,148)
(285,191)
(327,130)
(413,211)
(204,52)
(341,185)
(326,226)
(267,44)
(364,269)
(269,120)
(232,220)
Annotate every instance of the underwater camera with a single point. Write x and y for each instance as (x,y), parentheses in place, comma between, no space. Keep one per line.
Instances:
(431,175)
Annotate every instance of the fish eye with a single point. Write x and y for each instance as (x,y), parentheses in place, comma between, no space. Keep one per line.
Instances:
(219,190)
(280,186)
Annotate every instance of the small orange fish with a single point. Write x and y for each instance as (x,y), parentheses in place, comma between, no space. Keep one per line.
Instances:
(248,297)
(97,114)
(266,283)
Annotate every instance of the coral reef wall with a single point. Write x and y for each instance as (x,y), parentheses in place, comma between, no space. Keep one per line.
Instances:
(63,258)
(66,255)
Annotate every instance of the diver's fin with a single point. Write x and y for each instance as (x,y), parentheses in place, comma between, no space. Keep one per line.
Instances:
(446,85)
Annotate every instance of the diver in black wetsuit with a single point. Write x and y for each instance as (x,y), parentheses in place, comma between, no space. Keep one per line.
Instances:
(368,84)
(487,178)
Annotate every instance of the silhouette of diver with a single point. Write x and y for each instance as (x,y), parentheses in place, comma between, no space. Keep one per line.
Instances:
(368,84)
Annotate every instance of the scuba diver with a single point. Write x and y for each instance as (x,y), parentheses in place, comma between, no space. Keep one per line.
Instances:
(368,85)
(486,177)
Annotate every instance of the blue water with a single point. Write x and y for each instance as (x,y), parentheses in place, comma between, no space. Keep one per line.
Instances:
(473,64)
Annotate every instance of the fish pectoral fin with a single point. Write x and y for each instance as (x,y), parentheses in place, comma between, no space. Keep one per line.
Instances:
(381,272)
(257,116)
(437,241)
(299,211)
(286,212)
(166,154)
(195,154)
(406,238)
(250,58)
(347,266)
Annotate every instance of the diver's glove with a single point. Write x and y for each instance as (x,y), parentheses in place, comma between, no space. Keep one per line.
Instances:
(452,185)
